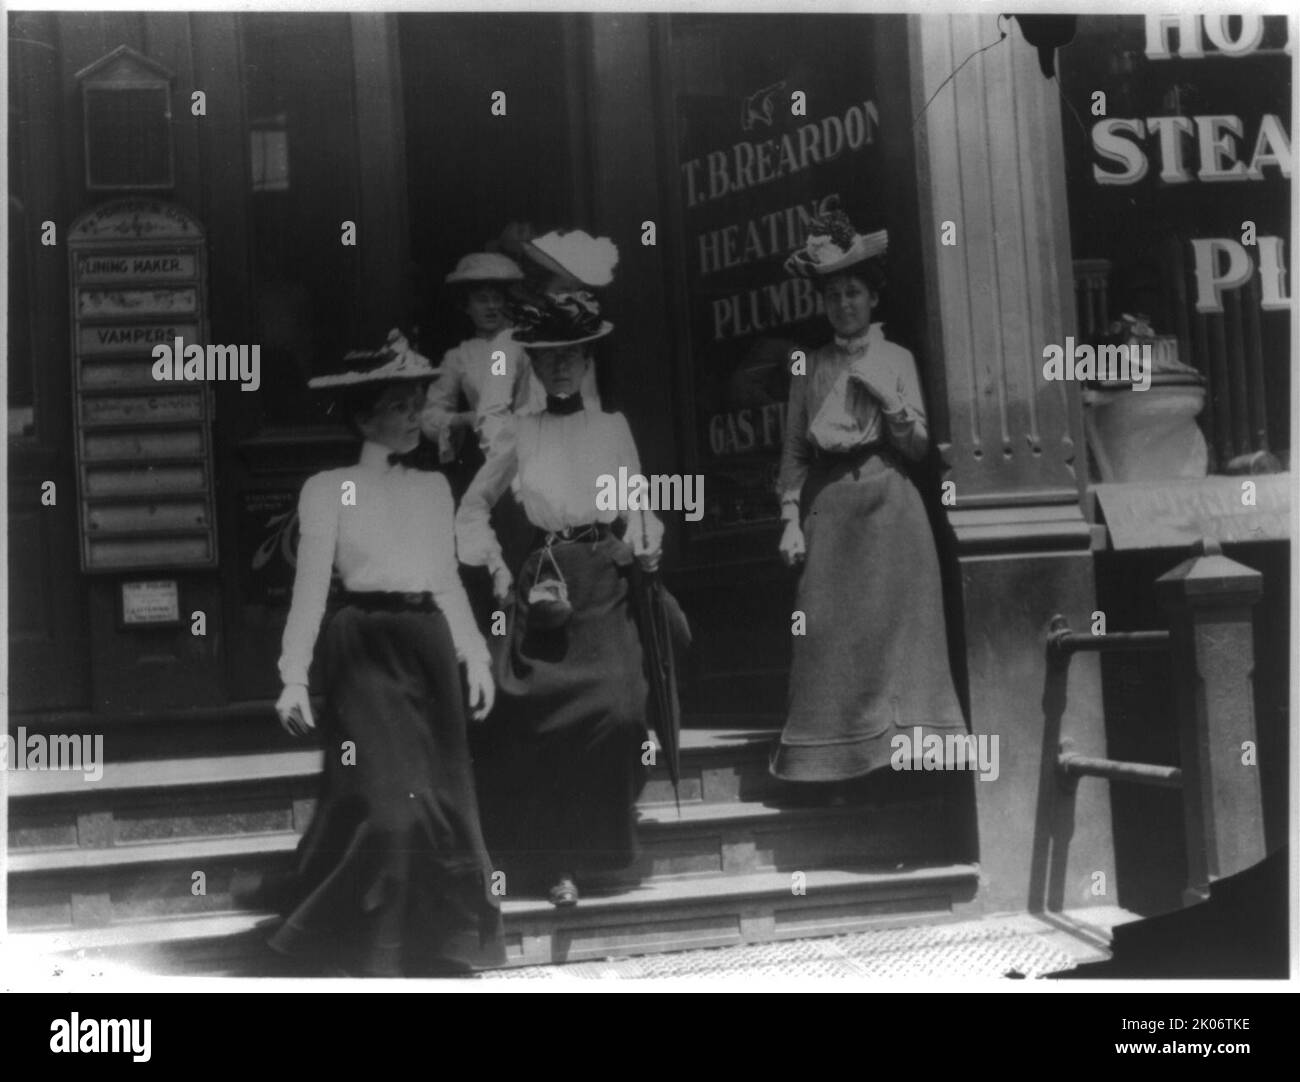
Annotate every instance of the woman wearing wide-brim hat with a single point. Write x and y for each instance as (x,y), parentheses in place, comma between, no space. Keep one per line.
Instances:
(392,877)
(485,369)
(570,724)
(490,370)
(873,662)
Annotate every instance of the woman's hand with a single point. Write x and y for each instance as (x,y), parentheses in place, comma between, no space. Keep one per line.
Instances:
(647,553)
(888,395)
(294,710)
(502,580)
(645,535)
(482,691)
(792,546)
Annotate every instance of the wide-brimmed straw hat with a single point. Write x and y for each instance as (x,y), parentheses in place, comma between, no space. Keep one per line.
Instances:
(576,257)
(392,362)
(835,245)
(485,267)
(551,320)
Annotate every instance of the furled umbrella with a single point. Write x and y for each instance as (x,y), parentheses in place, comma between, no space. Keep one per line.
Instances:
(665,635)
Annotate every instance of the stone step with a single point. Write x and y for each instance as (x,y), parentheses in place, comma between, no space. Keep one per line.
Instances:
(714,911)
(87,886)
(153,800)
(664,915)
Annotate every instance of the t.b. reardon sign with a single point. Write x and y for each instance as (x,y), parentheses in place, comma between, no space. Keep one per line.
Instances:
(1201,149)
(773,158)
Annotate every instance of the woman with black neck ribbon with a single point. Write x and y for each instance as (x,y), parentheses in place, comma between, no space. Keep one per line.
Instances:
(567,755)
(392,877)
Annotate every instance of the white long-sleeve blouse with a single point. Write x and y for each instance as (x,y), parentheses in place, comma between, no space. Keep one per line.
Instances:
(830,409)
(559,461)
(391,530)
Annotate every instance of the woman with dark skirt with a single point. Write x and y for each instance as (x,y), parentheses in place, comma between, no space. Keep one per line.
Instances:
(568,743)
(392,876)
(873,662)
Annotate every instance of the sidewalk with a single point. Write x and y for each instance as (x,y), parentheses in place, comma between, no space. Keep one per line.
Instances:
(1013,946)
(1009,946)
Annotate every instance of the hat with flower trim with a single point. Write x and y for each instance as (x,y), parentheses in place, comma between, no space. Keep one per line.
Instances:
(577,258)
(392,362)
(566,313)
(550,320)
(834,245)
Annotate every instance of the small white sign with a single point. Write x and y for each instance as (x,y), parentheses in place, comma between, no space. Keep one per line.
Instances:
(151,602)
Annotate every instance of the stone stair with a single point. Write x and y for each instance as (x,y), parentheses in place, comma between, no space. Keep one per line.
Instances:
(114,865)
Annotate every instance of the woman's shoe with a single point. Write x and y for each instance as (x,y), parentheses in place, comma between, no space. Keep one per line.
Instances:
(564,893)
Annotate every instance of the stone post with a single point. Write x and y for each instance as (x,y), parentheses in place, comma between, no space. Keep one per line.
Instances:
(1209,599)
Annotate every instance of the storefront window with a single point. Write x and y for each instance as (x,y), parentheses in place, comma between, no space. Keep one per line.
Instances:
(1177,135)
(269,153)
(773,117)
(21,418)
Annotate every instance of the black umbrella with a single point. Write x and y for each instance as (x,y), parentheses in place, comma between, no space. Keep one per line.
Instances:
(665,635)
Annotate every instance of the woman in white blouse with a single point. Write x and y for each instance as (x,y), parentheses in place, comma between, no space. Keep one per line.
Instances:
(873,662)
(392,876)
(567,758)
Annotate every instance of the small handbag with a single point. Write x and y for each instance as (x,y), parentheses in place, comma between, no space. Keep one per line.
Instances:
(548,600)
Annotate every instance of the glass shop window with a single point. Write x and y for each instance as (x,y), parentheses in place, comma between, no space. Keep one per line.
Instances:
(1177,139)
(21,419)
(303,183)
(268,152)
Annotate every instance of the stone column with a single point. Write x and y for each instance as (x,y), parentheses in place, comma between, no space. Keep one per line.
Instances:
(990,162)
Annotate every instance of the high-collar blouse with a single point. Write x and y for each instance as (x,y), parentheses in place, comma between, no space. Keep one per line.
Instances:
(384,527)
(492,396)
(559,461)
(830,410)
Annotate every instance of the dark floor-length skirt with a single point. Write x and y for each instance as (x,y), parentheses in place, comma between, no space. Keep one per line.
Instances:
(562,759)
(874,660)
(393,876)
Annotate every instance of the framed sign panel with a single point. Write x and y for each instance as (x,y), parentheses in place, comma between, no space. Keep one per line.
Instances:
(144,446)
(127,121)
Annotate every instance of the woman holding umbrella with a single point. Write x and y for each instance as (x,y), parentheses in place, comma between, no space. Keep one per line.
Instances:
(873,662)
(570,750)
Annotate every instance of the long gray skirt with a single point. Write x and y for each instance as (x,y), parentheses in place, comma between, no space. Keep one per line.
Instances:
(874,661)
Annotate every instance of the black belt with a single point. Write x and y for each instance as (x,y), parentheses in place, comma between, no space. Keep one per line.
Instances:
(388,601)
(594,531)
(854,456)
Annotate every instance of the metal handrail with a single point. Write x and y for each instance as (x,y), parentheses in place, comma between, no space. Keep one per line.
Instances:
(1063,644)
(1062,640)
(1073,765)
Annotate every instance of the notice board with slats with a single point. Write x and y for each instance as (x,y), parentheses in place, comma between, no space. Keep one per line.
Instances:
(144,446)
